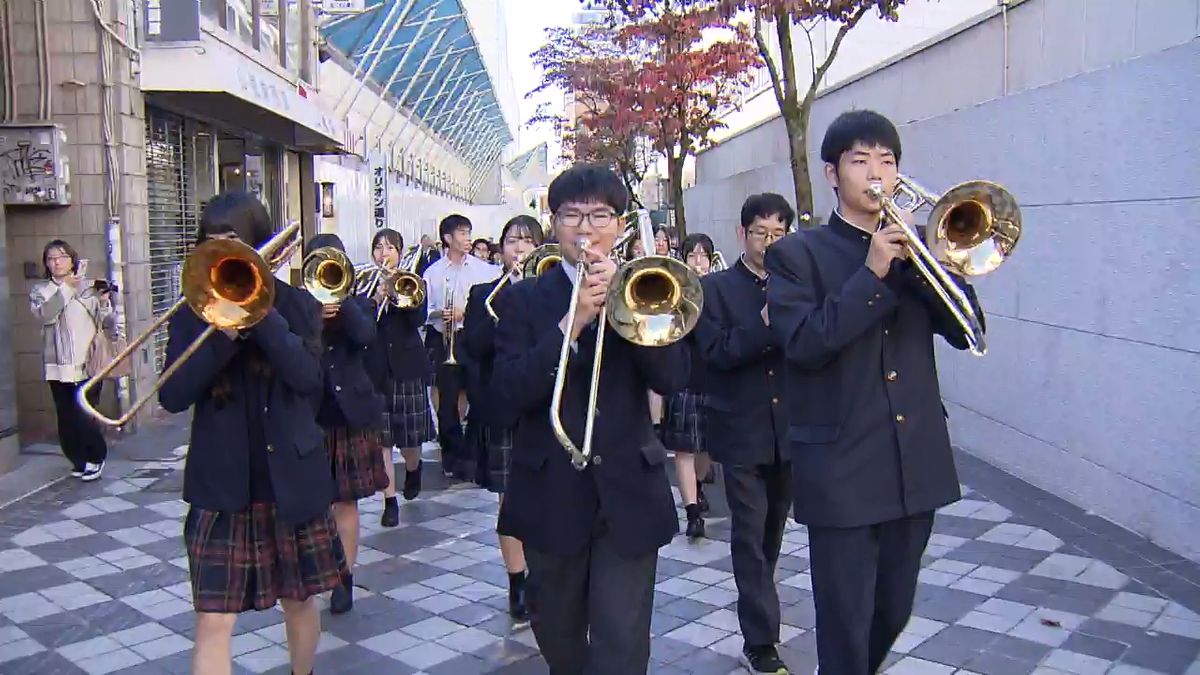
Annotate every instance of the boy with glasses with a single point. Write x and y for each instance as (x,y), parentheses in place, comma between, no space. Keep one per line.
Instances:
(747,423)
(591,536)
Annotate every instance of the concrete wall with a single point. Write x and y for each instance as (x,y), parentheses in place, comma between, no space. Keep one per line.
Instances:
(74,83)
(1092,386)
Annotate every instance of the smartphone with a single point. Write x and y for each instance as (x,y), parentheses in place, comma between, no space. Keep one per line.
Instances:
(82,268)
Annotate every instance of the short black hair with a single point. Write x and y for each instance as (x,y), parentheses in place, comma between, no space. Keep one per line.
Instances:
(67,249)
(585,183)
(322,240)
(392,237)
(481,240)
(529,224)
(238,212)
(697,239)
(766,205)
(450,225)
(859,126)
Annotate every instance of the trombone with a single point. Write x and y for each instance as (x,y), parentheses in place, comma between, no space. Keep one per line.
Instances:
(653,301)
(973,228)
(533,264)
(328,275)
(718,262)
(227,284)
(405,289)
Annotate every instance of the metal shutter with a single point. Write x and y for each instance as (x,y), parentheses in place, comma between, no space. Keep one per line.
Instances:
(173,213)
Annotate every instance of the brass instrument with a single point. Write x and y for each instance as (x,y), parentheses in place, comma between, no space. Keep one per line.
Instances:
(533,264)
(448,326)
(227,284)
(405,289)
(973,228)
(653,301)
(718,262)
(328,275)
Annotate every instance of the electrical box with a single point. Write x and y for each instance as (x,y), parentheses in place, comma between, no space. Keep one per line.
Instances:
(34,170)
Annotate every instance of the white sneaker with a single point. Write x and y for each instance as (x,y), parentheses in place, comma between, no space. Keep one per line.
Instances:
(76,473)
(92,472)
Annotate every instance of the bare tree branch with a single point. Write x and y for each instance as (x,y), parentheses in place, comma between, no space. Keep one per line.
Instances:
(765,51)
(850,23)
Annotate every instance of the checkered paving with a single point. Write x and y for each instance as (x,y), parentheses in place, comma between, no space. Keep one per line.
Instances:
(93,580)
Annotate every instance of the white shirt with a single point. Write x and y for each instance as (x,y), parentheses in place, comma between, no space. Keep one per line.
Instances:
(444,279)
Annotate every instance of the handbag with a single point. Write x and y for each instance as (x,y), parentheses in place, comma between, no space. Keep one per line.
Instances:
(102,350)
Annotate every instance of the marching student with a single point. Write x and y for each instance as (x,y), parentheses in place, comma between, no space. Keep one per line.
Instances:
(447,282)
(519,236)
(871,449)
(747,422)
(259,528)
(591,536)
(350,414)
(683,411)
(398,365)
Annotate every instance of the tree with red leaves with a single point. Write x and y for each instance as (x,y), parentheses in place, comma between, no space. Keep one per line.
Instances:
(794,91)
(661,73)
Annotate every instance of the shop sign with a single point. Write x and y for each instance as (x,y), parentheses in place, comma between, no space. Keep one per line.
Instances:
(379,188)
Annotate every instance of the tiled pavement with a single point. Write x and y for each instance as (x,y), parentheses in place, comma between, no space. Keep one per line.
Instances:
(92,579)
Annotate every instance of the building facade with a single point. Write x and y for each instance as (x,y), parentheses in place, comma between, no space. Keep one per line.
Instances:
(1090,386)
(149,108)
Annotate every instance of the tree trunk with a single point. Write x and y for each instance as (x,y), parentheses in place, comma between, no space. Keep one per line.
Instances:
(675,174)
(796,122)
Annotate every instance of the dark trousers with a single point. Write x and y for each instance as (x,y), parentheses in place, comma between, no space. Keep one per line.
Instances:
(759,497)
(590,611)
(863,580)
(449,382)
(78,434)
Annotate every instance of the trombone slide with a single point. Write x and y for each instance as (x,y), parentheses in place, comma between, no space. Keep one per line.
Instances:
(282,240)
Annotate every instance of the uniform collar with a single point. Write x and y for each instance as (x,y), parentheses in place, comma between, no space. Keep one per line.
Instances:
(840,227)
(745,270)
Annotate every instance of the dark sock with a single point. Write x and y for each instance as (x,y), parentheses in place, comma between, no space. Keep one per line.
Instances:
(692,511)
(516,579)
(348,580)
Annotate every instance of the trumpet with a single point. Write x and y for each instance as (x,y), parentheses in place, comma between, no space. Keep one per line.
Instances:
(227,284)
(449,327)
(653,301)
(328,275)
(535,263)
(973,228)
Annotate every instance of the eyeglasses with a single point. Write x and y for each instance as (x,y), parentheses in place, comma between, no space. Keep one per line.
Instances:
(597,219)
(763,235)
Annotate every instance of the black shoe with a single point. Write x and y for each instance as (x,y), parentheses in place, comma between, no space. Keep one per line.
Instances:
(516,598)
(412,483)
(701,500)
(695,523)
(764,659)
(342,598)
(391,511)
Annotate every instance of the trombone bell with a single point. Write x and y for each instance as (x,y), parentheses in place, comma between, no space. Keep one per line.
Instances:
(974,227)
(654,301)
(328,275)
(225,283)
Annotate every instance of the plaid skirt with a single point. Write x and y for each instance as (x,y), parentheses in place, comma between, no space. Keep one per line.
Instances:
(357,460)
(407,422)
(249,560)
(498,445)
(683,422)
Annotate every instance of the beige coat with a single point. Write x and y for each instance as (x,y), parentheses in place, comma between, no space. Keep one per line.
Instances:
(69,319)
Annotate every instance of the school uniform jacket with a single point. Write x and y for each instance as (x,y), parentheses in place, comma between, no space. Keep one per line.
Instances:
(397,352)
(217,473)
(479,349)
(549,505)
(343,360)
(868,431)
